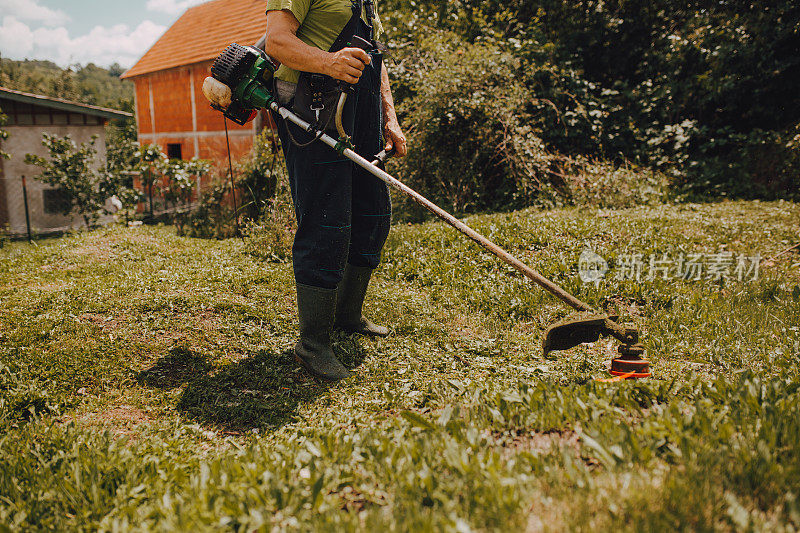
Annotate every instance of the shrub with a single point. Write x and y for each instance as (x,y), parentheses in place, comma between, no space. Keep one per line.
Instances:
(178,182)
(267,201)
(469,148)
(72,169)
(271,236)
(704,92)
(122,163)
(477,135)
(262,199)
(258,175)
(213,216)
(150,158)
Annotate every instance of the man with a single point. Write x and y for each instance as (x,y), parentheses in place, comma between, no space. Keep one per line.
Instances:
(343,213)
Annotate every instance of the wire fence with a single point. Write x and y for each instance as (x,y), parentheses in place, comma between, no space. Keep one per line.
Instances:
(30,208)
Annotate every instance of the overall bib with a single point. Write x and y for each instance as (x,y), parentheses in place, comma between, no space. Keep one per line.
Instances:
(343,212)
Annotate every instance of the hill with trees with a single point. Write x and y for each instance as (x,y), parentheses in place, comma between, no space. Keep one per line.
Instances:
(88,84)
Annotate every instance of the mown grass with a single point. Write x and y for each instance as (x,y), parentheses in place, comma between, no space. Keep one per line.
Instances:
(147,383)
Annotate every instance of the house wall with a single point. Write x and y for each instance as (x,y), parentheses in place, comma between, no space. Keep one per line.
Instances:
(27,139)
(171,108)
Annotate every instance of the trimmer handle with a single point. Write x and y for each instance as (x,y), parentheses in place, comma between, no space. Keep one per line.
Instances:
(360,42)
(383,156)
(356,42)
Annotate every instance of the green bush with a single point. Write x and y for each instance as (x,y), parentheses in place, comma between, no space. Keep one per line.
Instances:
(271,236)
(213,216)
(463,123)
(259,175)
(71,168)
(477,136)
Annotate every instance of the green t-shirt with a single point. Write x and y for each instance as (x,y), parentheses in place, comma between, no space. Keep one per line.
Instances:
(321,21)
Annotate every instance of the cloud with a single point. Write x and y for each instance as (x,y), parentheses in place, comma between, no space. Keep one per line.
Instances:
(172,7)
(32,11)
(16,38)
(101,46)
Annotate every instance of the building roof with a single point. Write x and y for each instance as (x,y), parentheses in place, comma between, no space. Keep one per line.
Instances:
(202,33)
(63,105)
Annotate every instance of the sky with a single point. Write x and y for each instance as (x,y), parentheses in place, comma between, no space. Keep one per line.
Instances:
(85,31)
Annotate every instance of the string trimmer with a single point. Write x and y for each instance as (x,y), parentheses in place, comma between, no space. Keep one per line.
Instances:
(241,83)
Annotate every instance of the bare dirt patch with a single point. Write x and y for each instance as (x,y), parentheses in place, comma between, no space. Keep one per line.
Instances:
(123,420)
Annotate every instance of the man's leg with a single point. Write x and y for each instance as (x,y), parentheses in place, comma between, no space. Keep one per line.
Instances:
(321,182)
(371,222)
(371,219)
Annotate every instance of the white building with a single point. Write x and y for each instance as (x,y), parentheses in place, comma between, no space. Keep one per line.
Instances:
(30,116)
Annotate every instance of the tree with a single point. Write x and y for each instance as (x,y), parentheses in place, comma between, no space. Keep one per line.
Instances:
(72,170)
(180,179)
(122,163)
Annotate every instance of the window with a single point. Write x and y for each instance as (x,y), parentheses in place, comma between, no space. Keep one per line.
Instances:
(174,151)
(56,202)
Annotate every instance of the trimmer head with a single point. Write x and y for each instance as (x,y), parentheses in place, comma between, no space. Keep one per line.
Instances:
(590,327)
(576,330)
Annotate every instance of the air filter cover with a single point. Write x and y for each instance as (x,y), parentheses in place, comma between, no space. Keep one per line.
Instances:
(232,65)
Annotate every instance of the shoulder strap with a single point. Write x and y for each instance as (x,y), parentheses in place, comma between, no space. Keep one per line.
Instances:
(349,29)
(369,8)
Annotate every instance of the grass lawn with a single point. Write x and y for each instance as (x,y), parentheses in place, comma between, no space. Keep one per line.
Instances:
(147,382)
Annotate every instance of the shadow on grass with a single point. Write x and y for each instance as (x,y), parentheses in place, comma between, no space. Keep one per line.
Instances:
(262,391)
(179,366)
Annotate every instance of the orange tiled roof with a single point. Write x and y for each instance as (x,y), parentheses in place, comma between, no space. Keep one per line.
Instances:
(202,33)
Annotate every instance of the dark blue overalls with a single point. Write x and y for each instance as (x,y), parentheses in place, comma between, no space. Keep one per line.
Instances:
(343,212)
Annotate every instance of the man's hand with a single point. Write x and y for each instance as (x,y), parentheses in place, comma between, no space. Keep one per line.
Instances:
(395,138)
(347,64)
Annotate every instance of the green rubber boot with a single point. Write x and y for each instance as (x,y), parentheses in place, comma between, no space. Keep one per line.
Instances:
(350,300)
(315,307)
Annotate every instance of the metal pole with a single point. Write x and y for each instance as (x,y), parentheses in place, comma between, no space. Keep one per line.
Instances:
(27,213)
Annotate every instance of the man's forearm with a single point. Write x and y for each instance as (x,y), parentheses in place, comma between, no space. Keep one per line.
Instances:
(389,113)
(283,44)
(391,126)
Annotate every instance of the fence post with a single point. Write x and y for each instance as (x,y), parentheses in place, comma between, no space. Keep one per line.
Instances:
(27,213)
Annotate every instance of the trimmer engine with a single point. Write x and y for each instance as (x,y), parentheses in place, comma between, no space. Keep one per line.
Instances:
(240,83)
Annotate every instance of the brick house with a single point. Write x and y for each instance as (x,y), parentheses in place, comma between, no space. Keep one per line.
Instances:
(171,110)
(30,116)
